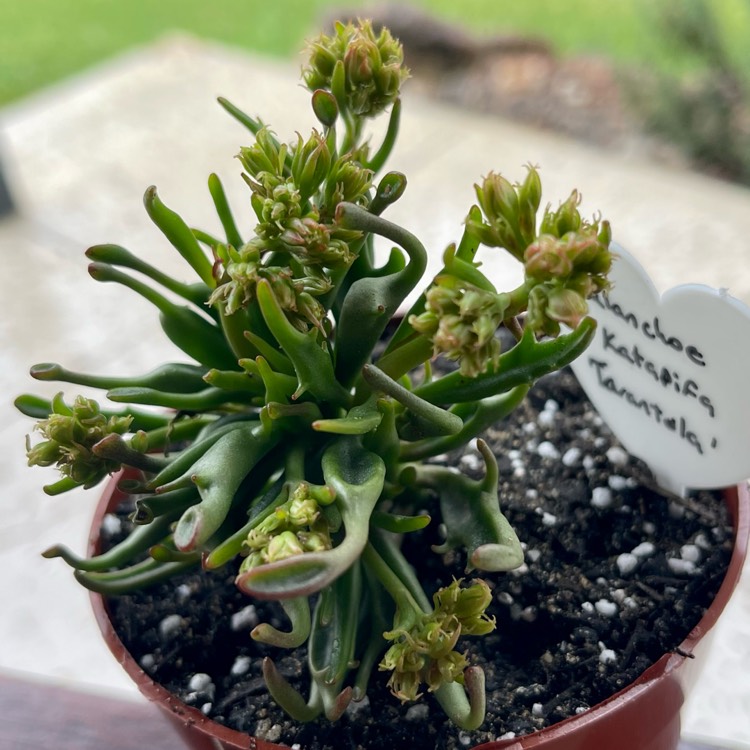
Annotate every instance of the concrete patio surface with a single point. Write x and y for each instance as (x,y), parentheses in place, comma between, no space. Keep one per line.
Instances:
(79,157)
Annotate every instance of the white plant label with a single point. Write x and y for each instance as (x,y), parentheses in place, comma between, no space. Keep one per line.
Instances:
(670,375)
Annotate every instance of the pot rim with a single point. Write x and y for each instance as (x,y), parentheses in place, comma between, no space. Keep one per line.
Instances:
(737,497)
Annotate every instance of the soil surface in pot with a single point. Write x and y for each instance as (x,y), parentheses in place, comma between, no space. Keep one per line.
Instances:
(616,574)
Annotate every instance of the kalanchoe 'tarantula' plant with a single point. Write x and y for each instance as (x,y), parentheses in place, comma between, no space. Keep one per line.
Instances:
(293,448)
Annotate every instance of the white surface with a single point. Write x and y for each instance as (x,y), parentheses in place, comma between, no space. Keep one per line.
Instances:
(81,155)
(660,373)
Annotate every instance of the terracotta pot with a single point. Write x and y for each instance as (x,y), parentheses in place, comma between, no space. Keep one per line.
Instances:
(644,715)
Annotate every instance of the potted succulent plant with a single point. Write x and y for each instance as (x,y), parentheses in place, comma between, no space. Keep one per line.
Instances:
(296,449)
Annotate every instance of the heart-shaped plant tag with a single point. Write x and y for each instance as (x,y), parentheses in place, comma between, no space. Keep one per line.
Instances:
(671,377)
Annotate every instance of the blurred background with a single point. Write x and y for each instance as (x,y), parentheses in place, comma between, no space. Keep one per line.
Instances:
(666,77)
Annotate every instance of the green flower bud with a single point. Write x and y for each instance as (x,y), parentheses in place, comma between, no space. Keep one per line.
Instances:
(566,306)
(265,157)
(529,199)
(448,668)
(498,199)
(284,545)
(348,181)
(310,164)
(547,258)
(565,219)
(314,542)
(325,107)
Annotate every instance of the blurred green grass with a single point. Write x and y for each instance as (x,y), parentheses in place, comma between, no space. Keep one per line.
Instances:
(44,41)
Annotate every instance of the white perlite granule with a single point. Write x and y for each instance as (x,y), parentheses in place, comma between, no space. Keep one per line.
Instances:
(616,482)
(626,563)
(601,497)
(549,519)
(691,553)
(571,456)
(245,618)
(417,712)
(617,456)
(471,461)
(607,656)
(200,681)
(111,524)
(547,450)
(606,608)
(171,626)
(241,665)
(644,549)
(681,567)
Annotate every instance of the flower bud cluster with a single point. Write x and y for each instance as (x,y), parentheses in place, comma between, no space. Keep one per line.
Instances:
(566,265)
(509,211)
(293,189)
(461,319)
(372,67)
(71,433)
(293,528)
(425,653)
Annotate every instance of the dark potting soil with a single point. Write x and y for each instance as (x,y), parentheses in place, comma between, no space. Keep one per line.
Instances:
(616,574)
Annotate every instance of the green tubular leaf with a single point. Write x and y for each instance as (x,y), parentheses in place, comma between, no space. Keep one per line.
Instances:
(209,398)
(313,365)
(360,420)
(274,357)
(298,612)
(356,476)
(260,509)
(234,380)
(397,524)
(333,639)
(61,485)
(116,255)
(413,351)
(179,235)
(234,327)
(218,474)
(380,618)
(472,517)
(477,418)
(370,303)
(287,697)
(176,377)
(137,577)
(224,211)
(389,190)
(198,338)
(251,123)
(149,507)
(33,406)
(135,544)
(427,419)
(522,365)
(183,461)
(278,388)
(177,431)
(465,705)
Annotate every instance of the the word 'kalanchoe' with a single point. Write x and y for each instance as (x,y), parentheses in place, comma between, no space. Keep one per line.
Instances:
(295,446)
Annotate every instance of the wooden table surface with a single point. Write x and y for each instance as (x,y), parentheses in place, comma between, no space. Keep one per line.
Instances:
(36,715)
